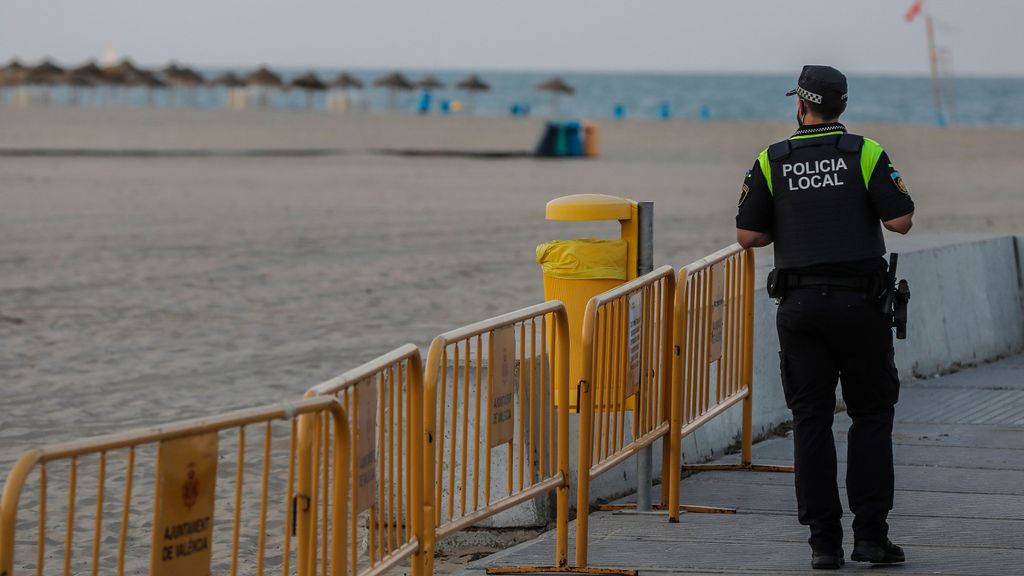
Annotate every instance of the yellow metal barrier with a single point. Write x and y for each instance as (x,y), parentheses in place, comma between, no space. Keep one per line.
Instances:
(508,417)
(182,463)
(627,366)
(714,339)
(384,401)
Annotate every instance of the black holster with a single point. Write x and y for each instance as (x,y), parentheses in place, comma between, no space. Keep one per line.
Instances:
(776,283)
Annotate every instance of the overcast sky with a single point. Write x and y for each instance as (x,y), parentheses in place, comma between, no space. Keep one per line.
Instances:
(764,36)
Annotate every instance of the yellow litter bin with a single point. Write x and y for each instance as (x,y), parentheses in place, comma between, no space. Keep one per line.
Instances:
(577,270)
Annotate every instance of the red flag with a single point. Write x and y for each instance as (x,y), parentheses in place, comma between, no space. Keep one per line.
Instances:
(914,10)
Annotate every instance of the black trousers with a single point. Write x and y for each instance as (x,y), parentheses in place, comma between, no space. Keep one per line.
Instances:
(829,334)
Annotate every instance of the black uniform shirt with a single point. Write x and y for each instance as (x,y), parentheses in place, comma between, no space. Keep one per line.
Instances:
(887,193)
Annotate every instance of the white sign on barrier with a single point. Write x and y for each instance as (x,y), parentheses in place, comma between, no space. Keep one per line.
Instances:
(183,530)
(501,373)
(634,327)
(717,311)
(366,444)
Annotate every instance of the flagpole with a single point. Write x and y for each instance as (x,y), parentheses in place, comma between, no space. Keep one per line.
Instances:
(934,62)
(951,86)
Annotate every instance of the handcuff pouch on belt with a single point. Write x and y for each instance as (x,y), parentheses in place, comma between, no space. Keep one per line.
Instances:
(776,284)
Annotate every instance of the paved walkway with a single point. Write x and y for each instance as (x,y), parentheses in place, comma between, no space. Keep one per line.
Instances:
(959,496)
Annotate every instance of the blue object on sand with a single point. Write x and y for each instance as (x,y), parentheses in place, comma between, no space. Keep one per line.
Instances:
(619,111)
(664,112)
(424,104)
(573,139)
(555,141)
(705,112)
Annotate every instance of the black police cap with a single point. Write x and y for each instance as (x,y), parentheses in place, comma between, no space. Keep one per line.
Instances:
(821,85)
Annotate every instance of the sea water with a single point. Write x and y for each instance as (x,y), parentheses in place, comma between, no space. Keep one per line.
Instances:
(966,101)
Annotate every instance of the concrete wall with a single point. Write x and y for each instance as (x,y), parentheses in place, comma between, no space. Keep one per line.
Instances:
(965,308)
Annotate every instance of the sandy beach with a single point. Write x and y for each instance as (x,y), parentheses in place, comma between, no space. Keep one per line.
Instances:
(136,290)
(143,289)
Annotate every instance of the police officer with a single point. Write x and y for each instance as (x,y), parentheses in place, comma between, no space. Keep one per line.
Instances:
(822,196)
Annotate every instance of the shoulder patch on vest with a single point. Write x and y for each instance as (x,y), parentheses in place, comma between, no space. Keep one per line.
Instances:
(850,143)
(779,151)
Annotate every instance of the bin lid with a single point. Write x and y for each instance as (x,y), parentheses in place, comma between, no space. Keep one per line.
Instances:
(589,207)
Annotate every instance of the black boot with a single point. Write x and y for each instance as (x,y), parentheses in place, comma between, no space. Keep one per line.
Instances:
(881,552)
(827,559)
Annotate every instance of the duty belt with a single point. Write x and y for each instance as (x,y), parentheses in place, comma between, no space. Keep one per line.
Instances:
(864,283)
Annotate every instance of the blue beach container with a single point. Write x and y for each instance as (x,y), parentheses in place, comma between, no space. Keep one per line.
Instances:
(573,138)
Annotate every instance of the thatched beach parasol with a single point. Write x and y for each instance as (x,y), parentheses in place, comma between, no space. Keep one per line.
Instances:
(88,70)
(430,83)
(263,79)
(12,73)
(345,81)
(148,80)
(557,87)
(308,83)
(471,85)
(183,78)
(235,96)
(124,73)
(45,73)
(228,80)
(394,83)
(41,77)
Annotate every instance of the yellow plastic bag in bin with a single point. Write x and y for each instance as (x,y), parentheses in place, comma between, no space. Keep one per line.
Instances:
(583,258)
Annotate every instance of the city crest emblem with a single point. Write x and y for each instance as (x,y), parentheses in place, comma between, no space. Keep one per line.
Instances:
(898,180)
(190,488)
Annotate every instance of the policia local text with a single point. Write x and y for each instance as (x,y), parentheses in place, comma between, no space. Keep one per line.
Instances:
(816,174)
